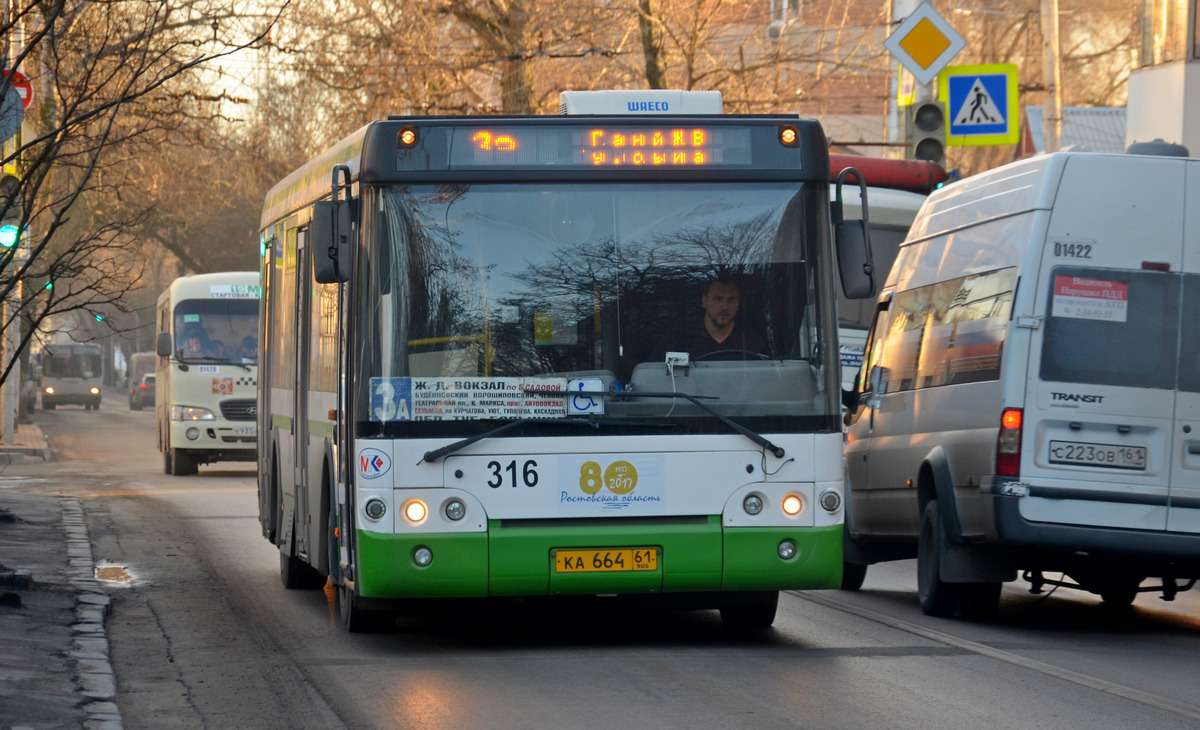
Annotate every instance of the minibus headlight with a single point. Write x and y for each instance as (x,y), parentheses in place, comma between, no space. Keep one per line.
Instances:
(191,413)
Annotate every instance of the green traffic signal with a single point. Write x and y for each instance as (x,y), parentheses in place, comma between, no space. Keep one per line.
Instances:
(9,235)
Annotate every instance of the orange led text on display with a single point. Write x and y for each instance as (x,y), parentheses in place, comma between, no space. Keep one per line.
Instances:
(654,147)
(485,140)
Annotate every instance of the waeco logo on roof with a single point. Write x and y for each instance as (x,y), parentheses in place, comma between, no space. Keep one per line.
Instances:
(647,106)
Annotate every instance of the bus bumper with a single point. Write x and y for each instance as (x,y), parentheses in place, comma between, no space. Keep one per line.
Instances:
(692,556)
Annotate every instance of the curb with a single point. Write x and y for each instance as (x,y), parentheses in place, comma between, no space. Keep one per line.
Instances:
(93,667)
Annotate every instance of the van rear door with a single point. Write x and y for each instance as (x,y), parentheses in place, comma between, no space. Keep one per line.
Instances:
(1183,514)
(1100,430)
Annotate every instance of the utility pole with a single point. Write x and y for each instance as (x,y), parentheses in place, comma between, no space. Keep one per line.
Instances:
(1052,112)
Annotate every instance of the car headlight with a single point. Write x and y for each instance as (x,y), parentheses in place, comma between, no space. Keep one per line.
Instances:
(191,413)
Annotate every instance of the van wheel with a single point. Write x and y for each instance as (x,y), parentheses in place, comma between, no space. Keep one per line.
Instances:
(1120,591)
(937,597)
(750,610)
(182,464)
(853,575)
(979,600)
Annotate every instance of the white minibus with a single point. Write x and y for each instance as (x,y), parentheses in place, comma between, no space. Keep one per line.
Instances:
(1029,399)
(207,377)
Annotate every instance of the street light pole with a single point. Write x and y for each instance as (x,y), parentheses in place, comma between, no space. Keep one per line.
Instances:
(1052,111)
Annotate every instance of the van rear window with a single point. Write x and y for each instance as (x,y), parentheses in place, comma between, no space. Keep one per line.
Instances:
(1111,327)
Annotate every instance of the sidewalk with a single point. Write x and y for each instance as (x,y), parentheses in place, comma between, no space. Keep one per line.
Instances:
(29,444)
(55,670)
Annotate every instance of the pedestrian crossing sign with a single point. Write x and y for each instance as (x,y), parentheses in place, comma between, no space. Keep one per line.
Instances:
(981,104)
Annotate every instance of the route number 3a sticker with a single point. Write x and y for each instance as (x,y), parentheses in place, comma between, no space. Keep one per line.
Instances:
(1081,297)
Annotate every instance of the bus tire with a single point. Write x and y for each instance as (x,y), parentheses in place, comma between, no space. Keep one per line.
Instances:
(359,620)
(181,464)
(853,575)
(937,597)
(752,610)
(294,572)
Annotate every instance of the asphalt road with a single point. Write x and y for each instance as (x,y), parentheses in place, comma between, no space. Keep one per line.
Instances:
(203,635)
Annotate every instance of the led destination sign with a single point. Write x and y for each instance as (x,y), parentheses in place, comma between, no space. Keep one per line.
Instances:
(609,146)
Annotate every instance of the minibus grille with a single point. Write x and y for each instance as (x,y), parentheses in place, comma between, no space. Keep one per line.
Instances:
(239,410)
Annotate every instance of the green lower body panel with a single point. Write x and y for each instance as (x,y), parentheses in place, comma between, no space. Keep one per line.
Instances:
(695,556)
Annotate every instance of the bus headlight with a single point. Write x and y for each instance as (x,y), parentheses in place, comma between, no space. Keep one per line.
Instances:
(415,511)
(455,510)
(792,505)
(831,501)
(49,390)
(191,413)
(422,556)
(786,549)
(95,391)
(753,504)
(375,508)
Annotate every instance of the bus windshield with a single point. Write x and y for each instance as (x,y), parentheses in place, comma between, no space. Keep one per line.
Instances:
(219,329)
(68,361)
(475,298)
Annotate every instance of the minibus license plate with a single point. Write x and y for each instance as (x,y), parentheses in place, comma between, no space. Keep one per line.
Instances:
(605,561)
(1106,455)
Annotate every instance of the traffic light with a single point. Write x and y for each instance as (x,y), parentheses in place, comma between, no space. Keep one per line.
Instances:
(10,212)
(10,235)
(926,132)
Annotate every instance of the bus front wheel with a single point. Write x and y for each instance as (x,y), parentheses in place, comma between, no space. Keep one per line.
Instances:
(181,464)
(751,610)
(359,620)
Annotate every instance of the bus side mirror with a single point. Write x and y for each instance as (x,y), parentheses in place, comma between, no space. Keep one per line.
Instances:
(162,346)
(853,244)
(329,239)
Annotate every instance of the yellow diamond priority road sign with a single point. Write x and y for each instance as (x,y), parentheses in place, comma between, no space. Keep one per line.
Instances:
(924,43)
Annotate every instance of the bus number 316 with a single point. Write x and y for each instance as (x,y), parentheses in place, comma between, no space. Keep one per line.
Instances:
(529,475)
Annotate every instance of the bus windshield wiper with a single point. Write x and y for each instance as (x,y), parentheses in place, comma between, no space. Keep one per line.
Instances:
(591,421)
(697,401)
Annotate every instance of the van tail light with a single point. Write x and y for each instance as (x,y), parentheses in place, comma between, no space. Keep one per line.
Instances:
(1008,444)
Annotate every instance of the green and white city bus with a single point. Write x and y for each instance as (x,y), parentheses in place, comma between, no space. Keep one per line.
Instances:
(476,379)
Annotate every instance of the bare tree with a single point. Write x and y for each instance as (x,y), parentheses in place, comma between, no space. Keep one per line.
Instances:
(111,82)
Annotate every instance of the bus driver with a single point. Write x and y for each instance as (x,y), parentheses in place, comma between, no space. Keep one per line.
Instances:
(720,336)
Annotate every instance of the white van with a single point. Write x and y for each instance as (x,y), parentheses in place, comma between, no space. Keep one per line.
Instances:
(206,390)
(1030,395)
